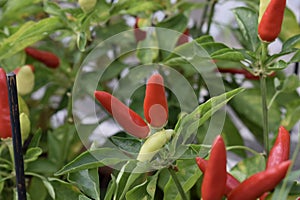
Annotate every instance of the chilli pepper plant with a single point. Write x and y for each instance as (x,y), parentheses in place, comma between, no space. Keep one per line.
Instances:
(209,93)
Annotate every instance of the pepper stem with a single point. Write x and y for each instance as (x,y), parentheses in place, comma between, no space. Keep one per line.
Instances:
(177,183)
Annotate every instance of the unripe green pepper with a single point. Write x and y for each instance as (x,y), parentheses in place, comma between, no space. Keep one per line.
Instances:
(153,144)
(25,80)
(25,126)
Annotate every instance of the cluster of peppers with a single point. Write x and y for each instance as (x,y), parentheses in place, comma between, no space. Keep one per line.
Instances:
(217,182)
(25,84)
(155,112)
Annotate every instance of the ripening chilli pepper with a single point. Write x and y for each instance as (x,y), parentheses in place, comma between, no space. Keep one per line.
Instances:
(5,126)
(46,57)
(231,181)
(270,24)
(153,144)
(259,183)
(155,102)
(139,34)
(281,149)
(214,180)
(127,118)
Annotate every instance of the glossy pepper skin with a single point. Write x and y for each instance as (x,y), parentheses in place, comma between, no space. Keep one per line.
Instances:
(231,181)
(270,24)
(281,149)
(127,118)
(45,57)
(5,126)
(155,102)
(214,180)
(259,183)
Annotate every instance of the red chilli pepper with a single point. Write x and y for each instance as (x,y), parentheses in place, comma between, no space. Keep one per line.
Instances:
(259,183)
(281,149)
(184,37)
(214,180)
(5,126)
(231,181)
(247,74)
(138,33)
(127,118)
(155,102)
(271,21)
(46,57)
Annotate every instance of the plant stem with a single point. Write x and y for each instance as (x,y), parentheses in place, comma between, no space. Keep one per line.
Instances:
(211,14)
(204,16)
(177,183)
(263,90)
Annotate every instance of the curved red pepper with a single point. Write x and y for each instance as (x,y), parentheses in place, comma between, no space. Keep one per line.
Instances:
(127,118)
(271,21)
(46,57)
(259,183)
(184,37)
(214,180)
(281,149)
(5,126)
(155,102)
(231,181)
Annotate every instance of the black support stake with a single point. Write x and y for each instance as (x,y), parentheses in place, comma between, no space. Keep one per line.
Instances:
(16,135)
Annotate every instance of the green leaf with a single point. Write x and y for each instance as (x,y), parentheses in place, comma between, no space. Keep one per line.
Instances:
(59,142)
(291,83)
(146,190)
(232,137)
(28,33)
(279,65)
(292,115)
(188,174)
(213,47)
(296,57)
(291,43)
(248,108)
(204,39)
(45,181)
(87,181)
(190,123)
(111,188)
(177,23)
(94,158)
(133,7)
(248,167)
(247,20)
(227,54)
(64,190)
(127,144)
(32,154)
(290,26)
